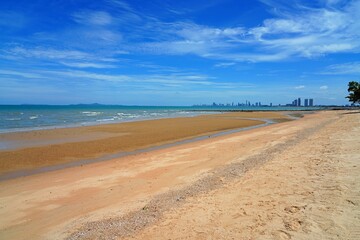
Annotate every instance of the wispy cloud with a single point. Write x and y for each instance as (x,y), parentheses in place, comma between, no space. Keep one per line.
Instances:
(194,32)
(299,87)
(69,58)
(87,65)
(324,87)
(300,31)
(343,69)
(121,4)
(224,64)
(183,80)
(21,74)
(295,30)
(98,18)
(312,31)
(46,53)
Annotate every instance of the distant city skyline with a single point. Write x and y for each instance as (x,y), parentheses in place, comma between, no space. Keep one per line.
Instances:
(308,102)
(177,52)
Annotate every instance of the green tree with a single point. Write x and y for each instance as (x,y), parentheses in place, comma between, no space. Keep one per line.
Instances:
(354,92)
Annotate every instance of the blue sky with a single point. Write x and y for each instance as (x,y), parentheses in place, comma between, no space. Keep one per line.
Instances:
(164,52)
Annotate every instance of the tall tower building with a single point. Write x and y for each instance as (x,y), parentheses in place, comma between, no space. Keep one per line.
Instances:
(299,102)
(295,102)
(306,103)
(311,102)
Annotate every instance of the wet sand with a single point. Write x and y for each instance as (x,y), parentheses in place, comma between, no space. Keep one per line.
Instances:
(35,149)
(292,180)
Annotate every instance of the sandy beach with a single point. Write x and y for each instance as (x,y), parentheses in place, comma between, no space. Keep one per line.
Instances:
(34,149)
(291,180)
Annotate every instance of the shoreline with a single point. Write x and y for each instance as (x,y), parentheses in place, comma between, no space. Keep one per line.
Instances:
(78,163)
(99,122)
(196,112)
(37,149)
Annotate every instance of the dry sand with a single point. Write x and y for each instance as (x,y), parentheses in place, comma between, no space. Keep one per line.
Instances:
(36,149)
(293,180)
(308,191)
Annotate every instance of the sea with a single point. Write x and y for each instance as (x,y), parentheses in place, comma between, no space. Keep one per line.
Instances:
(14,118)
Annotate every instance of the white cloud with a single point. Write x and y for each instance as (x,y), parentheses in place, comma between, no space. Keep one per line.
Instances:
(99,18)
(121,4)
(298,31)
(70,58)
(295,30)
(194,32)
(300,87)
(87,65)
(185,80)
(333,2)
(47,53)
(95,28)
(104,36)
(21,74)
(324,87)
(224,64)
(311,33)
(344,68)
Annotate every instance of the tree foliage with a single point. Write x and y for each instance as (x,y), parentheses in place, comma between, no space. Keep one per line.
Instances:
(354,92)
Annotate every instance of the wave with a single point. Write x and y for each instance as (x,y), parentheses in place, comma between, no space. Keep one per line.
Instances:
(12,119)
(107,119)
(91,114)
(124,114)
(157,114)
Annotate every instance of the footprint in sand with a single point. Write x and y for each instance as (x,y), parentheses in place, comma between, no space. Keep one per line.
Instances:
(280,234)
(292,209)
(293,225)
(239,214)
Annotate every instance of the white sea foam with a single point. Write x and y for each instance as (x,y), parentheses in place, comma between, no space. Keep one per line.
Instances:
(123,114)
(156,114)
(13,119)
(33,117)
(91,114)
(106,120)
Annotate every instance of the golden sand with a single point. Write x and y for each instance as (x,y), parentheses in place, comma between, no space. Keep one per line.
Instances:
(307,188)
(56,146)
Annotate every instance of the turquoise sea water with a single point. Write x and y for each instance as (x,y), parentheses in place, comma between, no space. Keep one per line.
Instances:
(29,117)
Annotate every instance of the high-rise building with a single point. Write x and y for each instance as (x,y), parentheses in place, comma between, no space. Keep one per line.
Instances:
(295,102)
(306,103)
(299,102)
(311,102)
